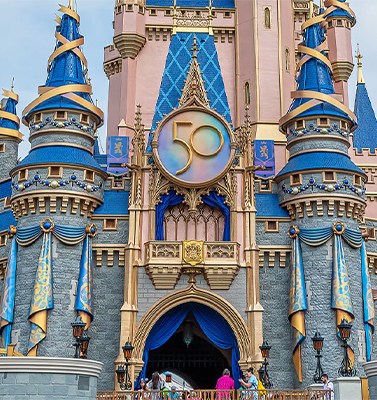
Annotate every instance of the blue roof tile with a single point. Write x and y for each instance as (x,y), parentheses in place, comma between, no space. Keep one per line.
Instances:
(5,188)
(267,205)
(175,73)
(365,136)
(6,219)
(60,154)
(192,3)
(319,160)
(115,203)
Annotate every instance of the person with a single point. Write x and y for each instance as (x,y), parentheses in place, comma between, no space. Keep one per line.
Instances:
(143,385)
(155,385)
(252,383)
(225,382)
(328,386)
(173,395)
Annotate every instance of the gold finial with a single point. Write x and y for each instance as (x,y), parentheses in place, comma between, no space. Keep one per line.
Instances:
(194,49)
(360,78)
(11,89)
(70,5)
(321,4)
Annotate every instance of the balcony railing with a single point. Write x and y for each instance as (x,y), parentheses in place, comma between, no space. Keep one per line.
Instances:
(165,263)
(215,395)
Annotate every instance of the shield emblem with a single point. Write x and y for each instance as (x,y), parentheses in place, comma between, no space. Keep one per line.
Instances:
(193,251)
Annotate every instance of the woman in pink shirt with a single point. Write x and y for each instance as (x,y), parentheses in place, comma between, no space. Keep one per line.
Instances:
(224,383)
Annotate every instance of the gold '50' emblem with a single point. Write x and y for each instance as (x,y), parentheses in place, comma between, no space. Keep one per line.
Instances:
(190,147)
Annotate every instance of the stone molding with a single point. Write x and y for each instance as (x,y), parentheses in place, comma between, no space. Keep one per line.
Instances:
(129,44)
(112,67)
(50,365)
(370,368)
(340,205)
(164,263)
(271,252)
(342,70)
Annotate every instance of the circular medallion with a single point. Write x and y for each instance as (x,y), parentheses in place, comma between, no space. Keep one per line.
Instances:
(194,147)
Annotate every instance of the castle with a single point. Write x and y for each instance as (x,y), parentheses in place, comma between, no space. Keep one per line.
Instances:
(235,204)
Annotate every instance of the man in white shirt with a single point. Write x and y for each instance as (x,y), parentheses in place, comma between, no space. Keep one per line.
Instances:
(327,385)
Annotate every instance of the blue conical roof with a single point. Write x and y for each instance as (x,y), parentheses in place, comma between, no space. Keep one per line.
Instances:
(365,136)
(11,108)
(315,76)
(66,68)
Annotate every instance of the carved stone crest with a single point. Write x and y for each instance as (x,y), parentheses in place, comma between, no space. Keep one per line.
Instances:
(193,251)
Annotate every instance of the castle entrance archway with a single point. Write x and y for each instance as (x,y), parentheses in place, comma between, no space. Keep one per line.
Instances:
(216,327)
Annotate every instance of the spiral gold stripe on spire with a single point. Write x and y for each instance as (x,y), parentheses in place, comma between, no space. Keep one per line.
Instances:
(65,90)
(65,47)
(71,13)
(76,50)
(11,133)
(334,4)
(11,95)
(307,57)
(10,116)
(313,53)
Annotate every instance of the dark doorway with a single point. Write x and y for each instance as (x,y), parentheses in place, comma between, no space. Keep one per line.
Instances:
(189,353)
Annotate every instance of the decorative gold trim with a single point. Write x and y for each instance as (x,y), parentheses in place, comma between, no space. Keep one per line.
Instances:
(65,91)
(11,132)
(10,116)
(70,12)
(10,94)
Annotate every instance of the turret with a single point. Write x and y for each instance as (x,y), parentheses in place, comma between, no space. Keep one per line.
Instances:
(324,191)
(363,151)
(10,137)
(340,20)
(56,187)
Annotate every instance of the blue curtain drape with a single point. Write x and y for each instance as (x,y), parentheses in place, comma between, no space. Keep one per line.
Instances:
(369,312)
(162,331)
(213,325)
(170,199)
(214,200)
(219,332)
(42,297)
(7,307)
(340,295)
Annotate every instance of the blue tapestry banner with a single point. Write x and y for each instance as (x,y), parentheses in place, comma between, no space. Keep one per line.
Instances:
(117,154)
(264,155)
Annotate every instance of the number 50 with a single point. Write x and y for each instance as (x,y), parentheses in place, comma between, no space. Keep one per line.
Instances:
(190,146)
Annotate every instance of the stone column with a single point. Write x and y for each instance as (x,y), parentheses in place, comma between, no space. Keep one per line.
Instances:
(43,378)
(347,388)
(370,369)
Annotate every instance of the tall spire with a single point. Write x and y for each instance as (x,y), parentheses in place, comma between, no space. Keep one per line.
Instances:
(67,85)
(360,78)
(9,122)
(315,89)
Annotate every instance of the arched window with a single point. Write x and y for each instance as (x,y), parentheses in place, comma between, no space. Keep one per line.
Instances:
(287,60)
(267,17)
(247,93)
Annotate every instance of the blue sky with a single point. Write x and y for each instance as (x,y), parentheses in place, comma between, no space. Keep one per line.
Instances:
(27,40)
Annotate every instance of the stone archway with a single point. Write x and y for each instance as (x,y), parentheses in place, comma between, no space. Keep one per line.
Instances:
(197,295)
